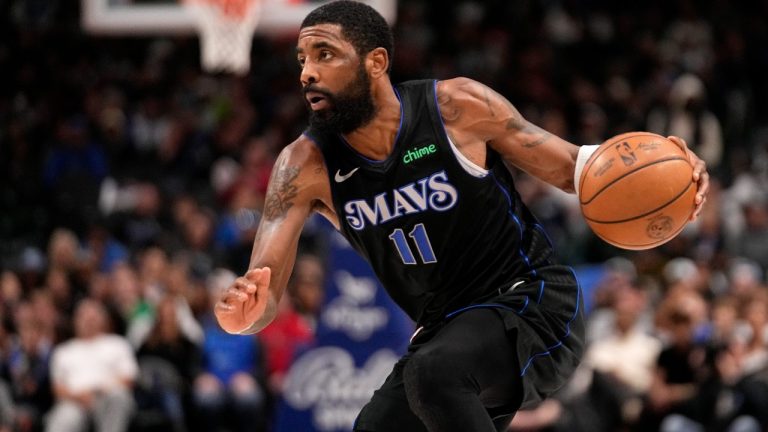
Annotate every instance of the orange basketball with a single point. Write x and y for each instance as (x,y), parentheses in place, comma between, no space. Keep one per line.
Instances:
(636,190)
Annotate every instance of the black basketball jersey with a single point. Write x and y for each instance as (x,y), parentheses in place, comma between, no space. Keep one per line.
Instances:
(440,233)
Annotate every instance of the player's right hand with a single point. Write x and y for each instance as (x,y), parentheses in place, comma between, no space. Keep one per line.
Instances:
(245,301)
(700,175)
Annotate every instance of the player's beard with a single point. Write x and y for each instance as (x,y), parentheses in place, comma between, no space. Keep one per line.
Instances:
(348,109)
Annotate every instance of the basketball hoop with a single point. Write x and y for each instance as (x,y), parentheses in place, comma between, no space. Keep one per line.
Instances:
(226,31)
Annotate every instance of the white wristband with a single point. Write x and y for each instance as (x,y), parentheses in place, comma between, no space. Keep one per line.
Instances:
(585,152)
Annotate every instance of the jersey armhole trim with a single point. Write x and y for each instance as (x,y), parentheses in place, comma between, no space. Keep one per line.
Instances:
(470,167)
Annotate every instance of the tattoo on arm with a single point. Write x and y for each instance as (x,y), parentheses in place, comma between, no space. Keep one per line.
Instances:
(540,136)
(488,101)
(449,111)
(282,191)
(526,134)
(515,124)
(534,136)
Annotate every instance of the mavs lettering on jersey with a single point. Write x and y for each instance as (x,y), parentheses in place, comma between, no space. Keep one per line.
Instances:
(432,192)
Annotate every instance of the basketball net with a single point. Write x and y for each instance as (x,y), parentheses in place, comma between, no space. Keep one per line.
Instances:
(226,31)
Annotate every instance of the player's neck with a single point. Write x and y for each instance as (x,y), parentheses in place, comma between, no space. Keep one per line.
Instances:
(376,139)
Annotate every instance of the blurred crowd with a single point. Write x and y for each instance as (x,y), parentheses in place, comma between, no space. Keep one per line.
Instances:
(131,185)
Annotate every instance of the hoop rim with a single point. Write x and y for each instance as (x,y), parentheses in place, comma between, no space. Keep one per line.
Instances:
(236,10)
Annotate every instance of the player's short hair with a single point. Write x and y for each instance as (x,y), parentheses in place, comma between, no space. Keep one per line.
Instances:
(360,24)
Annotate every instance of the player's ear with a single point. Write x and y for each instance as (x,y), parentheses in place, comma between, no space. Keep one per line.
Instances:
(377,62)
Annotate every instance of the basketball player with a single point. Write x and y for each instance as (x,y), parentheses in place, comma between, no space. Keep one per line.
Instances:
(415,177)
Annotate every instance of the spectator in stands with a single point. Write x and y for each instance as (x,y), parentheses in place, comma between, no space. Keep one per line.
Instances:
(6,408)
(231,377)
(168,361)
(56,325)
(307,288)
(152,269)
(294,326)
(11,291)
(6,400)
(73,171)
(190,297)
(92,376)
(627,356)
(162,279)
(755,345)
(619,275)
(150,128)
(753,241)
(745,279)
(726,399)
(687,115)
(60,290)
(28,370)
(30,268)
(724,321)
(198,240)
(677,373)
(65,261)
(141,220)
(135,311)
(102,249)
(240,189)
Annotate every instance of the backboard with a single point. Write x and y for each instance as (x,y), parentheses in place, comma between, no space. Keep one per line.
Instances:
(157,17)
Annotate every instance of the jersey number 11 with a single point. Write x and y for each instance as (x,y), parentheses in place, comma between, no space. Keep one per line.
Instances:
(419,235)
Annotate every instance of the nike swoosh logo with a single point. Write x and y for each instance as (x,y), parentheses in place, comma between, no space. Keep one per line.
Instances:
(340,178)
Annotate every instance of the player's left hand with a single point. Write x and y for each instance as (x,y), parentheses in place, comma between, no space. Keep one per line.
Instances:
(700,175)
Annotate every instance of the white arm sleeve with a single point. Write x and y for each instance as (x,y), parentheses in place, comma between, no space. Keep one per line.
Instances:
(585,152)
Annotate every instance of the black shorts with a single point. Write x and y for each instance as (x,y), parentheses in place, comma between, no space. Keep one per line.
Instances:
(547,314)
(536,329)
(498,383)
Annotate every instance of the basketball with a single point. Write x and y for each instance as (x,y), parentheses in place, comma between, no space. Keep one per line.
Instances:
(637,191)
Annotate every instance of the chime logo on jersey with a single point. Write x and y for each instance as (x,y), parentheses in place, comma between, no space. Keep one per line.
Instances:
(418,153)
(433,192)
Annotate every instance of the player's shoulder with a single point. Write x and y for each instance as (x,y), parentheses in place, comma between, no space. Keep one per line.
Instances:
(303,161)
(462,93)
(302,151)
(457,84)
(463,100)
(301,164)
(461,87)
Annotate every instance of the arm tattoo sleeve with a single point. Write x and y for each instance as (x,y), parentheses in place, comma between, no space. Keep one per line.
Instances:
(534,135)
(539,136)
(488,101)
(449,110)
(282,191)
